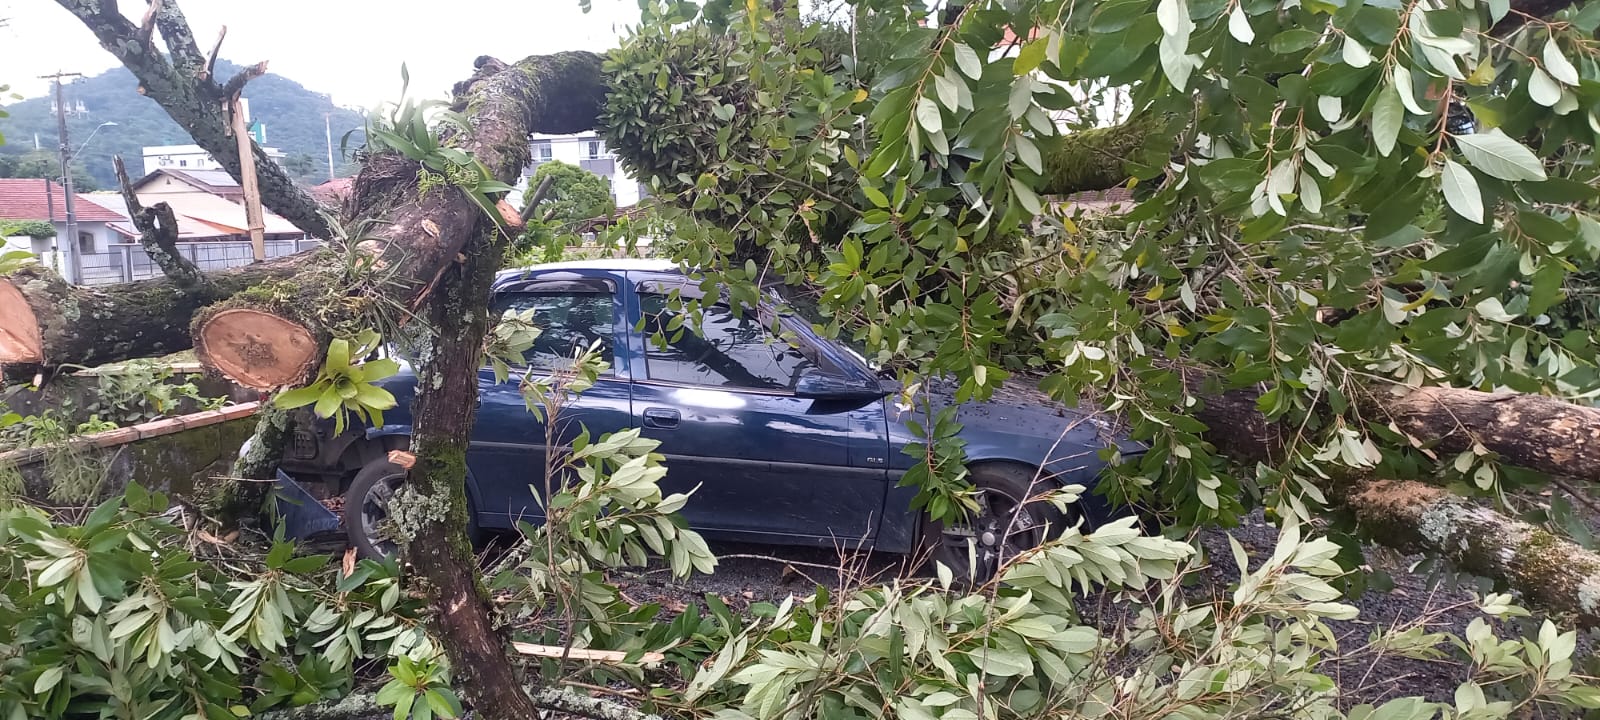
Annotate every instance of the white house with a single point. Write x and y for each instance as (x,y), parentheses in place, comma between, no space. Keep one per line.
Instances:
(187,157)
(589,152)
(36,199)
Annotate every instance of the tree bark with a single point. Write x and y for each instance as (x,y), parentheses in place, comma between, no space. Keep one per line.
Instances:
(158,233)
(1530,431)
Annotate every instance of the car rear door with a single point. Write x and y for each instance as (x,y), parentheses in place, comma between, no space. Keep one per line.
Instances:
(769,466)
(507,454)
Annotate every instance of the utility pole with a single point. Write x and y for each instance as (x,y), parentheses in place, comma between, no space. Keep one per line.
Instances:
(74,265)
(327,127)
(247,176)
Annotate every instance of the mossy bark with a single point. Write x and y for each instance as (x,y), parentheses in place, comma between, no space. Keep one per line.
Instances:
(1099,159)
(1552,573)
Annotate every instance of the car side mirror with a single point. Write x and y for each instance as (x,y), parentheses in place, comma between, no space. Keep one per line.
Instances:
(816,384)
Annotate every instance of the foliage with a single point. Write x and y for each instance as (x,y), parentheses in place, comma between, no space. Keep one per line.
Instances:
(14,260)
(909,650)
(575,194)
(603,509)
(293,116)
(1307,224)
(512,336)
(36,229)
(406,129)
(45,164)
(118,616)
(419,690)
(345,383)
(141,390)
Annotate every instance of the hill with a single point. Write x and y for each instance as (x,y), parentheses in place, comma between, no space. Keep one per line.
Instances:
(293,116)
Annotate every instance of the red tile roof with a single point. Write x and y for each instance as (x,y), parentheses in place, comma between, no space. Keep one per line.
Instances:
(26,199)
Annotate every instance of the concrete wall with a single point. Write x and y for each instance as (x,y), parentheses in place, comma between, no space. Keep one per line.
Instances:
(178,456)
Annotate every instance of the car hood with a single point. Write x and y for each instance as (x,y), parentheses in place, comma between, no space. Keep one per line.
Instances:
(1048,423)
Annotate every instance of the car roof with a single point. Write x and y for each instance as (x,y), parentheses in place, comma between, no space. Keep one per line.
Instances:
(613,264)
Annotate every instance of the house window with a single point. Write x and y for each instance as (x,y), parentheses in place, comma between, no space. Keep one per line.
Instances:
(593,149)
(543,152)
(85,243)
(183,163)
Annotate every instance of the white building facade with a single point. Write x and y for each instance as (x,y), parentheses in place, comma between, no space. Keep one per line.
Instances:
(187,157)
(589,152)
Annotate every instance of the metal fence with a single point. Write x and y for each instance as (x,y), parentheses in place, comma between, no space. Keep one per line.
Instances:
(127,262)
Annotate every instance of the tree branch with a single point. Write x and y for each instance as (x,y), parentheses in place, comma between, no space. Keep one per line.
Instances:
(158,233)
(192,100)
(235,84)
(209,73)
(147,26)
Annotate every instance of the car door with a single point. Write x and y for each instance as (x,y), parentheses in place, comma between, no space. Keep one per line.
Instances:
(508,450)
(765,465)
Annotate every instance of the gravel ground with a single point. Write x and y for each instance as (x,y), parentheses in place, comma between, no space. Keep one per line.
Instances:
(756,573)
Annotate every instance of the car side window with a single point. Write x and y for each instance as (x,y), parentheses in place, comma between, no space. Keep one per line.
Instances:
(567,320)
(729,351)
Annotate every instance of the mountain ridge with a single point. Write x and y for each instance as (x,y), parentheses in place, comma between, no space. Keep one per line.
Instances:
(292,113)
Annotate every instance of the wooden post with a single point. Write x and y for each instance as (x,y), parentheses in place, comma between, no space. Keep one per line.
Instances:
(247,178)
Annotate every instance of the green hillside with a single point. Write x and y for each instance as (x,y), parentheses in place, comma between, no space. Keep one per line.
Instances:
(293,116)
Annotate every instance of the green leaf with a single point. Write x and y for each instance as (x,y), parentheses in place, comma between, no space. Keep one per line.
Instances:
(1408,95)
(1176,28)
(1028,153)
(298,397)
(875,195)
(374,397)
(1543,89)
(928,115)
(379,369)
(48,679)
(328,402)
(1239,25)
(1294,40)
(1498,155)
(338,354)
(1354,54)
(1029,57)
(1557,65)
(1388,114)
(1026,196)
(1461,191)
(968,61)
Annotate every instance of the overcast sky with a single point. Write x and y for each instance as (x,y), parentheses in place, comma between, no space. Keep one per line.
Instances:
(351,49)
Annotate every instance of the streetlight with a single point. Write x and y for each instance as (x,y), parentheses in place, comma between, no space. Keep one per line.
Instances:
(74,262)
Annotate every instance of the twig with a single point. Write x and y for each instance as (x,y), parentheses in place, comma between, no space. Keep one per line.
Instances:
(211,60)
(606,656)
(538,197)
(235,84)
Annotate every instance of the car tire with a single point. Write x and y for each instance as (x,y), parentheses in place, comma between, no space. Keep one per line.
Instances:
(366,507)
(975,551)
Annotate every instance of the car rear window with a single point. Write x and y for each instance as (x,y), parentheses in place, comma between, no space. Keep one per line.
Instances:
(568,320)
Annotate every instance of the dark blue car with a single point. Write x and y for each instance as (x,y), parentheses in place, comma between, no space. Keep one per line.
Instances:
(795,442)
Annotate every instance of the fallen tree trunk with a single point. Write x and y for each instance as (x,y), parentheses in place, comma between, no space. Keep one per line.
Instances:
(44,320)
(1530,431)
(1412,516)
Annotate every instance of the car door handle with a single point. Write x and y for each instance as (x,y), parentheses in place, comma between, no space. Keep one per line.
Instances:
(660,418)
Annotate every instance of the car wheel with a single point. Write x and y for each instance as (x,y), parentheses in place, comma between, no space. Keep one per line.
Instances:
(1004,527)
(366,509)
